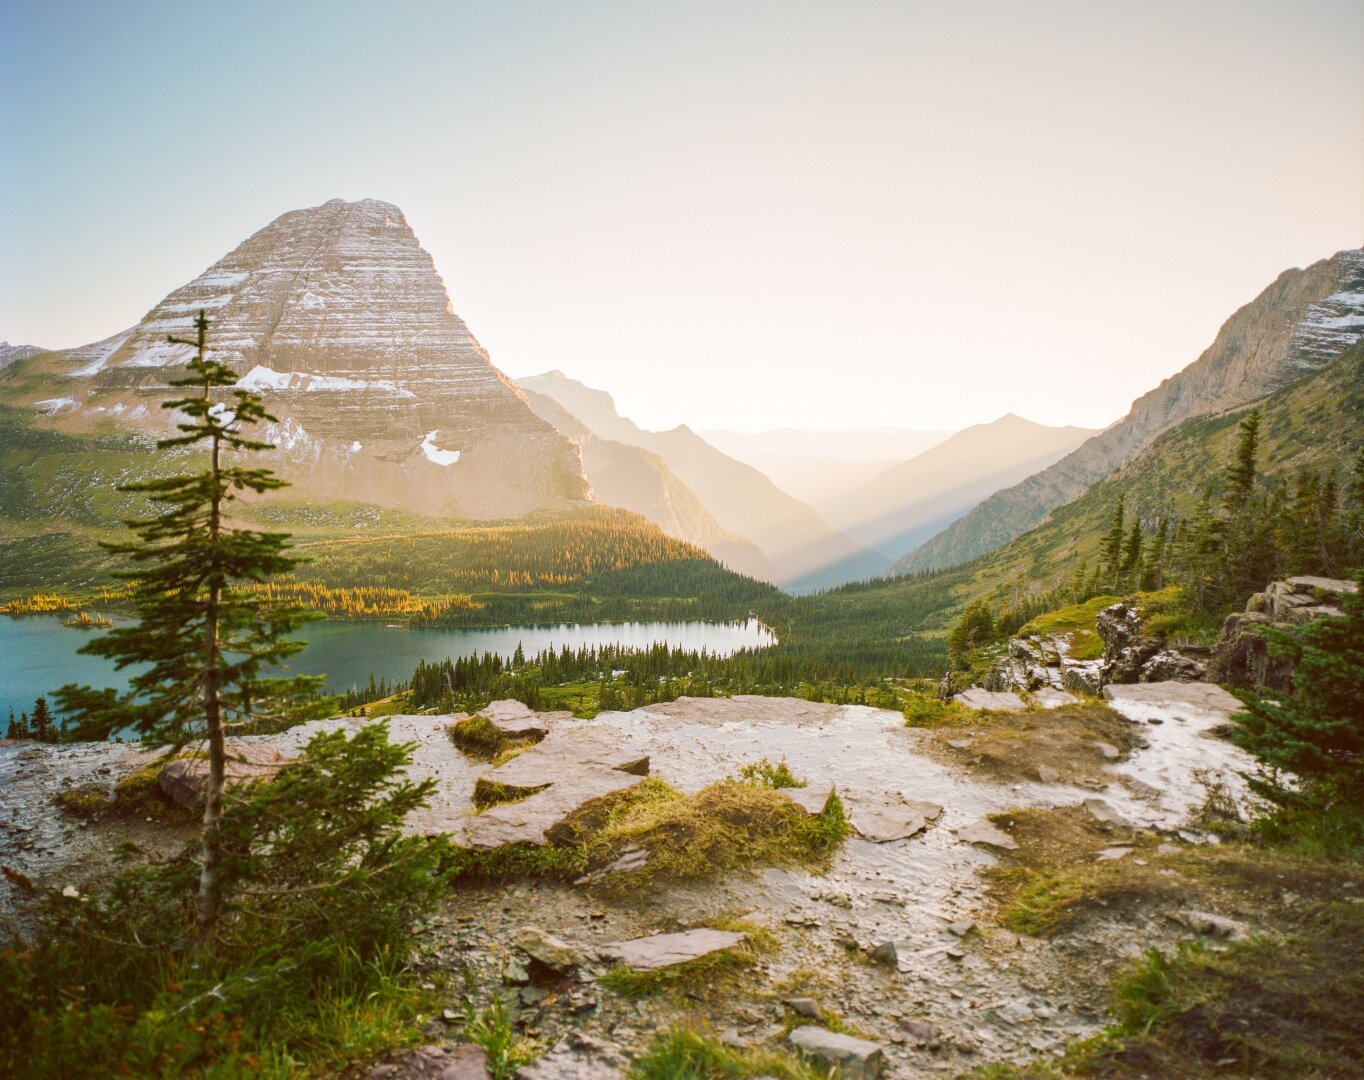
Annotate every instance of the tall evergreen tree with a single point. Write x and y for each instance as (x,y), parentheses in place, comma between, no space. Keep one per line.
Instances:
(44,728)
(1112,543)
(1131,552)
(1241,474)
(205,642)
(17,729)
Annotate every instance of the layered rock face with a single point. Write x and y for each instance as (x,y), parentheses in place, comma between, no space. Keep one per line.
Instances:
(337,316)
(1297,326)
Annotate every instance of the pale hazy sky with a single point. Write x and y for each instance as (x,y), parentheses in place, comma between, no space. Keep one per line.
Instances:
(731,214)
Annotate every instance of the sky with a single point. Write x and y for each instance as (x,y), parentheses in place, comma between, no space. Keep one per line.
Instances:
(732,215)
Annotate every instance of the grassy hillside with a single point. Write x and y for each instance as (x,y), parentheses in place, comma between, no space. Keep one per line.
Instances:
(1315,424)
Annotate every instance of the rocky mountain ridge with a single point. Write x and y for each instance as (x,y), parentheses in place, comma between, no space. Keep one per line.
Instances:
(10,354)
(909,502)
(337,317)
(1295,327)
(793,537)
(637,479)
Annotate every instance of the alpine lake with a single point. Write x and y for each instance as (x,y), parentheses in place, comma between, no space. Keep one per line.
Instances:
(38,654)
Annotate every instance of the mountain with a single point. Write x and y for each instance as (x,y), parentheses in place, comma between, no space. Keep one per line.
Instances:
(11,353)
(911,501)
(635,479)
(839,444)
(1295,327)
(791,535)
(1317,423)
(817,465)
(337,316)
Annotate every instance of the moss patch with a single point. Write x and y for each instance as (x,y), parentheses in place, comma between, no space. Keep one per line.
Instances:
(1075,622)
(726,826)
(1012,746)
(479,737)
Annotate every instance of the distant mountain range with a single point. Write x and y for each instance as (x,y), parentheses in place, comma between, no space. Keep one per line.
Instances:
(792,537)
(385,400)
(1295,327)
(905,505)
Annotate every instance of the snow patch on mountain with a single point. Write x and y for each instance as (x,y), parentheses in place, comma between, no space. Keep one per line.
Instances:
(435,453)
(261,377)
(49,406)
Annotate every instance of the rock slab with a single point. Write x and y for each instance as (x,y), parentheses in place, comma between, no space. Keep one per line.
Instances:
(891,817)
(854,1058)
(984,831)
(996,701)
(665,950)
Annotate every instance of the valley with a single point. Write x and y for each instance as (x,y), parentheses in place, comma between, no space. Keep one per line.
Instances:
(646,754)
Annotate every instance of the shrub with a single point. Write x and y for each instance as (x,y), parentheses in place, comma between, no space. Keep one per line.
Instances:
(320,888)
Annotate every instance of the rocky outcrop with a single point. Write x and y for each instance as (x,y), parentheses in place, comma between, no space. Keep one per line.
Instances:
(10,354)
(183,779)
(1242,657)
(1295,327)
(337,317)
(555,784)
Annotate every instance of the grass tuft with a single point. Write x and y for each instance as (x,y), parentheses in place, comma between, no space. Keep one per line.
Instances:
(693,1053)
(479,737)
(726,826)
(764,773)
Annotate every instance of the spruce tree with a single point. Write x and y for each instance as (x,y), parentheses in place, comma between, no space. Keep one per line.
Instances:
(1131,558)
(41,723)
(1241,474)
(205,641)
(1112,544)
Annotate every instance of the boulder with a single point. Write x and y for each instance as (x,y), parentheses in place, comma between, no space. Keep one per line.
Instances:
(1168,664)
(557,955)
(920,1032)
(562,752)
(1047,774)
(804,1006)
(1101,812)
(1082,676)
(665,950)
(566,777)
(1211,925)
(887,817)
(886,953)
(518,721)
(183,779)
(1204,697)
(984,831)
(631,858)
(855,1059)
(979,699)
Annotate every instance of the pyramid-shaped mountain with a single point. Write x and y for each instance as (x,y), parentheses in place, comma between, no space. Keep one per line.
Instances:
(337,316)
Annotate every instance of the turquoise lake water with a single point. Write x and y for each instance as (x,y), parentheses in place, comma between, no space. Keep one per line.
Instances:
(38,654)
